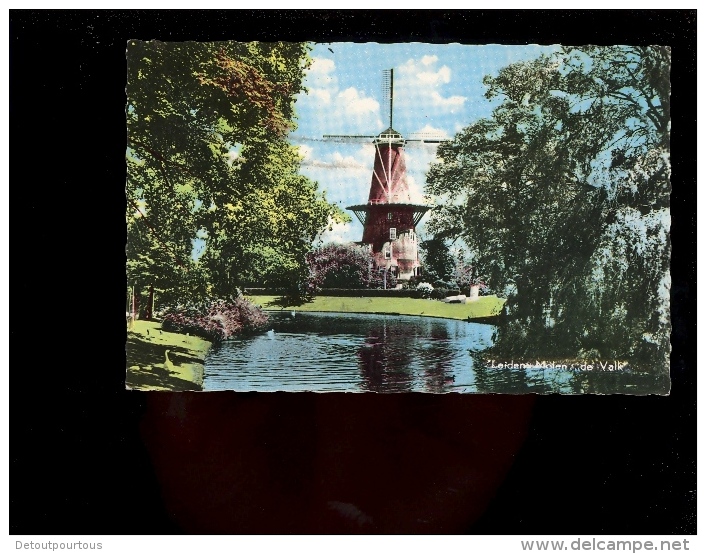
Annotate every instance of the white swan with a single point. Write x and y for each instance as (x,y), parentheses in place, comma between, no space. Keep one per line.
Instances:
(169,366)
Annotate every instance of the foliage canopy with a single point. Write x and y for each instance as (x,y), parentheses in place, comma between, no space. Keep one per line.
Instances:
(208,159)
(563,197)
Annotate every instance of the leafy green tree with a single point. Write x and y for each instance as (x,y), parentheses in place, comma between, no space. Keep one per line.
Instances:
(438,262)
(563,197)
(465,271)
(261,237)
(208,158)
(159,263)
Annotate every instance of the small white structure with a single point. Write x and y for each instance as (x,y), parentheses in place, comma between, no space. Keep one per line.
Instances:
(460,299)
(473,294)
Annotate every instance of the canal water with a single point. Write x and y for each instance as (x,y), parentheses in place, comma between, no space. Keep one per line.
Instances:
(350,352)
(384,353)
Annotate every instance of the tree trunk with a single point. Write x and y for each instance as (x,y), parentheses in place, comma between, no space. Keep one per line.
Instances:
(150,304)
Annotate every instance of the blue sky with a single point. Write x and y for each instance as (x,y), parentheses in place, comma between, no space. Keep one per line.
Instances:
(438,88)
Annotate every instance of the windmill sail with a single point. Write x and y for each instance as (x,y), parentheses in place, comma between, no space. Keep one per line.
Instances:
(389,217)
(387,95)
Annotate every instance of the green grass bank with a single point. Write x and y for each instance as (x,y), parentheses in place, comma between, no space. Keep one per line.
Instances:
(484,307)
(150,367)
(161,360)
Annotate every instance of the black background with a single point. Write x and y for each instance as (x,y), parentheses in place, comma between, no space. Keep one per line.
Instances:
(591,464)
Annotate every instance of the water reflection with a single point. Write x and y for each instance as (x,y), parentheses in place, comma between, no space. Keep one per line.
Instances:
(419,354)
(365,352)
(386,360)
(350,352)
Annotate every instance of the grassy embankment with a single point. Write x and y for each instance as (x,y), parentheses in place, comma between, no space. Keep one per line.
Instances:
(148,368)
(484,307)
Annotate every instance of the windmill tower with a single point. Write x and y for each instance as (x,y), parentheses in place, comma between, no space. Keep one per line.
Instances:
(389,217)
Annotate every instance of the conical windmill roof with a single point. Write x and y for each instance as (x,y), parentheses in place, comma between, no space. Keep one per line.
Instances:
(389,135)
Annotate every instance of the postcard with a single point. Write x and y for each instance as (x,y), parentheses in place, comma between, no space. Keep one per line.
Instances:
(409,217)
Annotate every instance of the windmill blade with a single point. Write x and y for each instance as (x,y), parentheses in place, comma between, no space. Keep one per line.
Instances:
(347,138)
(387,92)
(301,138)
(428,136)
(330,138)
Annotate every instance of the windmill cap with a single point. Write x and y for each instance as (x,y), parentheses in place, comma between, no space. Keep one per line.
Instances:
(390,135)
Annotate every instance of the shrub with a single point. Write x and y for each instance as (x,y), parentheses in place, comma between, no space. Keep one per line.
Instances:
(216,320)
(441,293)
(344,266)
(370,293)
(425,290)
(379,281)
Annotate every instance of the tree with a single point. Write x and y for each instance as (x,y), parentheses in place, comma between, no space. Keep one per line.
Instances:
(465,270)
(208,158)
(563,197)
(262,236)
(438,262)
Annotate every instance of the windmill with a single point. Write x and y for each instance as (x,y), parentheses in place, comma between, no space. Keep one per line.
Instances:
(390,217)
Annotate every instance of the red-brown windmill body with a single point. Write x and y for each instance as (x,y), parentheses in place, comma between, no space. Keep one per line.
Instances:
(390,216)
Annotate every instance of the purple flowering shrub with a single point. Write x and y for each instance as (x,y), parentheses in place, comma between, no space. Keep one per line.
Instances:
(217,320)
(344,266)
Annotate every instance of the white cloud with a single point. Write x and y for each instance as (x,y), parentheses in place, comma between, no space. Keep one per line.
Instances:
(433,131)
(433,78)
(428,60)
(415,191)
(322,65)
(339,233)
(347,162)
(367,152)
(321,94)
(321,74)
(347,111)
(451,101)
(421,83)
(337,161)
(354,102)
(306,152)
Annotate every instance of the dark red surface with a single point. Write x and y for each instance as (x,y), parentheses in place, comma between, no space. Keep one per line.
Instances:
(329,463)
(391,169)
(390,206)
(377,227)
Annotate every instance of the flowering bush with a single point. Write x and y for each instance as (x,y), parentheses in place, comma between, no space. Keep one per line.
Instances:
(424,290)
(216,320)
(345,266)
